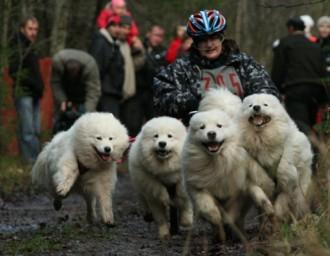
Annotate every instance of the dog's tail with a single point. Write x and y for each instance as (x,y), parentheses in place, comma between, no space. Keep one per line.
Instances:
(39,170)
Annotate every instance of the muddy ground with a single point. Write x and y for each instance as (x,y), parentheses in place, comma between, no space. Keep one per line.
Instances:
(30,226)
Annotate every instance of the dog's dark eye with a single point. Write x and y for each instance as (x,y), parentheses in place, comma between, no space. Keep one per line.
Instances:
(99,138)
(266,105)
(169,135)
(250,106)
(202,127)
(219,125)
(156,136)
(110,138)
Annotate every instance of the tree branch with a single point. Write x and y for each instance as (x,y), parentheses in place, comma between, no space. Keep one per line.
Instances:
(267,5)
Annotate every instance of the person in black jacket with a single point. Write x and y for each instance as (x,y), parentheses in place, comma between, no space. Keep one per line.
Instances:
(28,87)
(155,59)
(323,26)
(297,71)
(212,62)
(109,59)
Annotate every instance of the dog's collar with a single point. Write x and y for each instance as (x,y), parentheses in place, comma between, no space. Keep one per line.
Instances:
(82,168)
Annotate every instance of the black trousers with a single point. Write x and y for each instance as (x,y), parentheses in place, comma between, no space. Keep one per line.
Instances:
(108,103)
(135,111)
(302,103)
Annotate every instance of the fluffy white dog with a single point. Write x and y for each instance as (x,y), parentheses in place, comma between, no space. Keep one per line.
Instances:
(216,173)
(274,141)
(155,170)
(221,99)
(84,159)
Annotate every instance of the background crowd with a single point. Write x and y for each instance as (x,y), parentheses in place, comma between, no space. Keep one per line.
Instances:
(116,74)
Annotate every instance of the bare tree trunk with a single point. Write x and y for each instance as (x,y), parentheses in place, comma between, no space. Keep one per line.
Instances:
(60,25)
(240,24)
(4,35)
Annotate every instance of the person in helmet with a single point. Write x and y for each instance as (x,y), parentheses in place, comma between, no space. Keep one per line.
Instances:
(213,61)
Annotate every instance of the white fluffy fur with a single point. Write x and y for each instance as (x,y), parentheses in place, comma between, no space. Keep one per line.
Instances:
(151,172)
(56,169)
(281,150)
(221,99)
(219,177)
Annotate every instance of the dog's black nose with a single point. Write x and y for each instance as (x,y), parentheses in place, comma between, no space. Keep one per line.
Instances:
(107,149)
(256,108)
(211,135)
(162,144)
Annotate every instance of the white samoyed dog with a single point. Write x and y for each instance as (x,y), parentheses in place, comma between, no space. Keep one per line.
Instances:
(83,159)
(155,170)
(216,171)
(274,141)
(221,99)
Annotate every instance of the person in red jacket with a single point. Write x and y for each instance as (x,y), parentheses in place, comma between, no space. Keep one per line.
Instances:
(175,45)
(117,7)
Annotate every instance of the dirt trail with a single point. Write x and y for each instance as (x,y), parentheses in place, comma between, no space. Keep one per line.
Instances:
(30,226)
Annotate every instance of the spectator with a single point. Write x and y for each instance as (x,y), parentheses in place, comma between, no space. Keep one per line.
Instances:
(297,71)
(309,24)
(75,83)
(117,7)
(129,81)
(175,45)
(134,58)
(105,50)
(154,60)
(179,87)
(323,26)
(28,87)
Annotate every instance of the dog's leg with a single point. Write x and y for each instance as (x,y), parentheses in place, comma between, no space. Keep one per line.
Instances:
(105,201)
(66,176)
(185,206)
(281,205)
(234,214)
(159,211)
(261,199)
(206,206)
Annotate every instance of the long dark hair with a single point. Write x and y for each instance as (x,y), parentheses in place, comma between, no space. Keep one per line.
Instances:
(229,46)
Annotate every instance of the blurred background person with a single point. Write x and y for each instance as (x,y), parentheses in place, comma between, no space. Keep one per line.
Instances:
(28,87)
(134,55)
(174,47)
(154,59)
(75,84)
(309,24)
(129,87)
(117,7)
(323,27)
(297,72)
(110,61)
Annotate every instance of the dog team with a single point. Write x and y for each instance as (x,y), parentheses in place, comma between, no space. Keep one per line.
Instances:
(234,155)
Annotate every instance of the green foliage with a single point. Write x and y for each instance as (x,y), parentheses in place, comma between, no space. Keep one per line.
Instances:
(14,176)
(52,239)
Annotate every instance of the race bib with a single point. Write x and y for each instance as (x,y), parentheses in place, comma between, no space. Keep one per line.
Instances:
(222,77)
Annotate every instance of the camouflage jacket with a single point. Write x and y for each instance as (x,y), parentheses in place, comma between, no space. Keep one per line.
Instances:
(177,87)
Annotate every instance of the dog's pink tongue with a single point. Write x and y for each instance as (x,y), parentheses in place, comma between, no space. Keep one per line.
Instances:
(258,120)
(105,157)
(213,147)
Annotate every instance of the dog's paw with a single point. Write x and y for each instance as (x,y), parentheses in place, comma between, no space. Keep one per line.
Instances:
(164,198)
(164,232)
(186,219)
(63,188)
(268,207)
